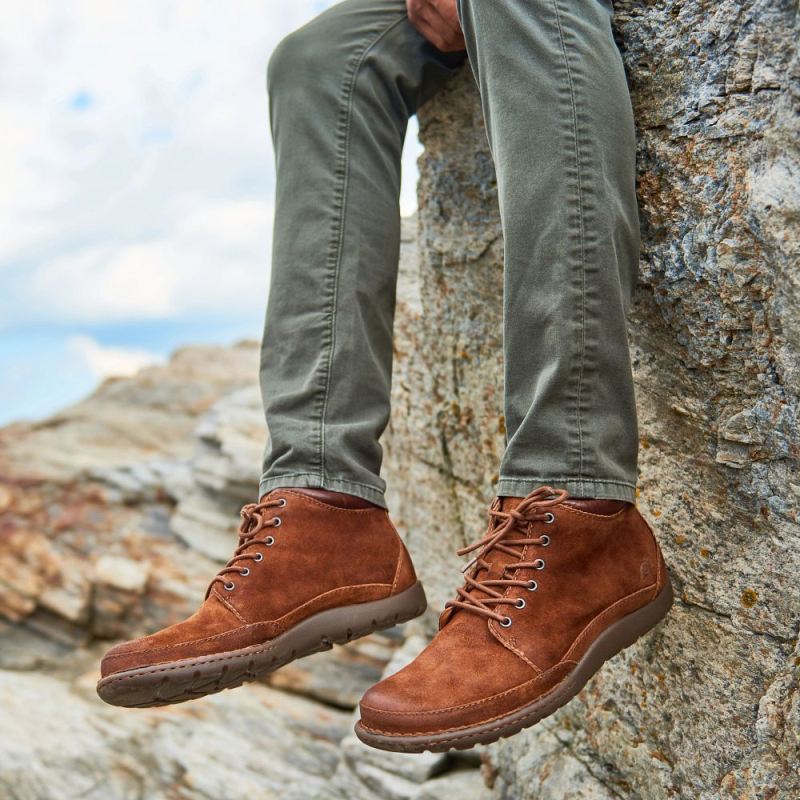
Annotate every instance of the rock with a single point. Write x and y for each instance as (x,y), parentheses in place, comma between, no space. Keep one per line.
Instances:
(99,480)
(550,771)
(462,784)
(153,479)
(224,473)
(130,421)
(207,525)
(412,767)
(252,743)
(67,591)
(338,677)
(121,573)
(715,334)
(6,498)
(119,584)
(35,575)
(231,438)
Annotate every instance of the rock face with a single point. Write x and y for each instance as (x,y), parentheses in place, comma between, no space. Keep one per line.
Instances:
(708,705)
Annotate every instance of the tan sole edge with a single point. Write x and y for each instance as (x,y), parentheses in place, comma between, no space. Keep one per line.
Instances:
(614,639)
(179,681)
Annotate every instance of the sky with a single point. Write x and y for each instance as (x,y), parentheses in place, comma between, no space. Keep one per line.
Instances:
(136,185)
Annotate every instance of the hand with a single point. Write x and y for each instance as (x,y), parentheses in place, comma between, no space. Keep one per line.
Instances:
(437,21)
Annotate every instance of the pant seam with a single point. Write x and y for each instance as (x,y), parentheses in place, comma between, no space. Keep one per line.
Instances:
(609,488)
(337,228)
(273,478)
(581,234)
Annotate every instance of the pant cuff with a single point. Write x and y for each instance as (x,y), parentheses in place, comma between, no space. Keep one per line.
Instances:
(584,487)
(310,480)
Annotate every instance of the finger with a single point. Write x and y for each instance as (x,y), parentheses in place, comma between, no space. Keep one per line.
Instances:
(449,31)
(452,44)
(433,36)
(446,12)
(435,29)
(458,43)
(428,26)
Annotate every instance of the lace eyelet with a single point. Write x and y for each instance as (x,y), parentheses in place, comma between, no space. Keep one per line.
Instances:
(230,586)
(282,502)
(258,557)
(545,540)
(520,603)
(269,541)
(532,586)
(539,563)
(276,521)
(245,572)
(506,622)
(549,518)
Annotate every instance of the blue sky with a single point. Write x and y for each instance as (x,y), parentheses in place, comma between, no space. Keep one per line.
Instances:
(137,194)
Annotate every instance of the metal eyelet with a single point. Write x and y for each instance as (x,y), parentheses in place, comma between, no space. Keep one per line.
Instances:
(532,586)
(245,572)
(258,557)
(230,586)
(506,622)
(276,521)
(539,563)
(269,541)
(282,502)
(545,540)
(549,518)
(520,603)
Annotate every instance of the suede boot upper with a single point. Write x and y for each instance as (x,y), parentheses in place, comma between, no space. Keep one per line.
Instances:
(297,556)
(549,576)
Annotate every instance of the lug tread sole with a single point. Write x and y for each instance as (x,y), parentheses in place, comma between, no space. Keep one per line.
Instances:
(178,681)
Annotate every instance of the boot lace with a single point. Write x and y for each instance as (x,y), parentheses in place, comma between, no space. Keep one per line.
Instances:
(534,507)
(255,519)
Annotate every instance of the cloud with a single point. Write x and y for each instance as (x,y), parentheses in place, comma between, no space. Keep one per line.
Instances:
(137,184)
(213,260)
(119,121)
(107,362)
(135,151)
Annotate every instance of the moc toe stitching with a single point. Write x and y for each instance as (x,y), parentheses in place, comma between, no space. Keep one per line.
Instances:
(413,711)
(213,659)
(553,691)
(162,651)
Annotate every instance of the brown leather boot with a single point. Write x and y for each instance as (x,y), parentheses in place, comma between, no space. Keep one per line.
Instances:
(558,587)
(312,567)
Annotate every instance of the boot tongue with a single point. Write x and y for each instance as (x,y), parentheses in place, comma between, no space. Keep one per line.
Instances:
(507,503)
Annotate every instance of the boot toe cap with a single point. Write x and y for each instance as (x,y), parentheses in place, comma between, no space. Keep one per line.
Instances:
(388,707)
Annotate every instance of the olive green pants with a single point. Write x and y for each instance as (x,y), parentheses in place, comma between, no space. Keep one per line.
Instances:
(560,130)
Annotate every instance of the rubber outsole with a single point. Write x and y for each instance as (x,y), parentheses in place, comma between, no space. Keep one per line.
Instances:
(179,681)
(613,640)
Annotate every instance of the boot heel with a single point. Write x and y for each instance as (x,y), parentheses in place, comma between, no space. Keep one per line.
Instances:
(628,630)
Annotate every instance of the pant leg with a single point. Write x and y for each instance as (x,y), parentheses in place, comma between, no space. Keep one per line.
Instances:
(561,132)
(341,91)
